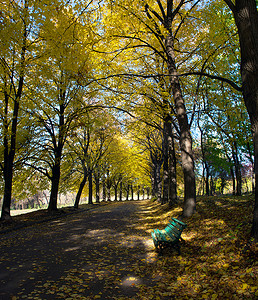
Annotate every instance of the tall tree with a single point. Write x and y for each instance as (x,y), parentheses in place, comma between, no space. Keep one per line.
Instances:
(59,89)
(17,41)
(166,17)
(246,18)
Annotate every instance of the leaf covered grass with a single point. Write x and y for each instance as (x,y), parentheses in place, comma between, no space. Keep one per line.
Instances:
(216,261)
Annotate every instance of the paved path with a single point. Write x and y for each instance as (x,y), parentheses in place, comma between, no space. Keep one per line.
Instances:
(101,254)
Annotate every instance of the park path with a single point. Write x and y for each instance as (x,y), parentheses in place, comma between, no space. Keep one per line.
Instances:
(101,254)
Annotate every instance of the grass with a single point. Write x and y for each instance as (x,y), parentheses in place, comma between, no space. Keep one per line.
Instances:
(28,217)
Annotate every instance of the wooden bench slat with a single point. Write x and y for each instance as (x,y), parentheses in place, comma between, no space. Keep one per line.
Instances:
(173,233)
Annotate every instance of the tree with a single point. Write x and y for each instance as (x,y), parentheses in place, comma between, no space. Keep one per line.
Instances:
(16,27)
(166,18)
(89,143)
(246,18)
(157,32)
(59,88)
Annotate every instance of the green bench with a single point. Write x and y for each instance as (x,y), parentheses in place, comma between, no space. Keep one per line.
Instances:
(170,236)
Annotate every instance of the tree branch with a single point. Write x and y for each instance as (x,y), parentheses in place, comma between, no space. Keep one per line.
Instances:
(230,82)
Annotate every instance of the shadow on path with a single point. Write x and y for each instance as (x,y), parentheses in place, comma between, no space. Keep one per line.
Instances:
(100,254)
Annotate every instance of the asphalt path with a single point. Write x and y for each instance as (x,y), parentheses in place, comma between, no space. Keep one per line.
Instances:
(105,253)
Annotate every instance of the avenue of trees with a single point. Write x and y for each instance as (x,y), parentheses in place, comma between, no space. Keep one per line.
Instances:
(128,98)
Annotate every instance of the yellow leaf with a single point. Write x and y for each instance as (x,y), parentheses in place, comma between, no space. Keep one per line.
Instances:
(245,286)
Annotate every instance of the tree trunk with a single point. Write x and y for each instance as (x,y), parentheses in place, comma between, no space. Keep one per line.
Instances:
(246,18)
(90,186)
(79,193)
(108,190)
(153,194)
(97,187)
(8,178)
(158,182)
(10,149)
(103,188)
(185,135)
(239,180)
(148,193)
(252,162)
(55,179)
(165,161)
(207,180)
(115,188)
(172,195)
(155,181)
(121,191)
(127,192)
(132,192)
(212,189)
(237,169)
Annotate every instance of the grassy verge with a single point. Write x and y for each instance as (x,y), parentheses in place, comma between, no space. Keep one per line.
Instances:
(30,217)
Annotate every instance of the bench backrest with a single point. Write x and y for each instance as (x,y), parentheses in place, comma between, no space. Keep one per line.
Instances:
(175,228)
